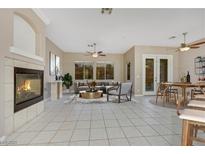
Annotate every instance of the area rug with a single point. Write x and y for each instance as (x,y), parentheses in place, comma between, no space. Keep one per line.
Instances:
(76,99)
(170,104)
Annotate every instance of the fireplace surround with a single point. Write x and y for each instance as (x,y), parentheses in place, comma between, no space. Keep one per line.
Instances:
(28,87)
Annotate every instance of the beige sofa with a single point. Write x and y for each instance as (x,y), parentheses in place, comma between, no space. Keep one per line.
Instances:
(80,86)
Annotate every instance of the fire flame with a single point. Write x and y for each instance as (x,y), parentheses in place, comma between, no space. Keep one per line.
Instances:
(26,86)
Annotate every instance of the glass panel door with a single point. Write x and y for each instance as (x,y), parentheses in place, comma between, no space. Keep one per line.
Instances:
(149,74)
(163,70)
(156,69)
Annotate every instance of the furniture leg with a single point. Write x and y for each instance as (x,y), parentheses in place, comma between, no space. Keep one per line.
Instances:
(164,98)
(107,97)
(195,130)
(184,95)
(175,98)
(191,126)
(127,98)
(177,94)
(186,133)
(119,99)
(156,98)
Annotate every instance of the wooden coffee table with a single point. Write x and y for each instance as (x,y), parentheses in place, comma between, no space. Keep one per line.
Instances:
(91,95)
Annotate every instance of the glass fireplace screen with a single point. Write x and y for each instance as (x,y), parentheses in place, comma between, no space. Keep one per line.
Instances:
(28,86)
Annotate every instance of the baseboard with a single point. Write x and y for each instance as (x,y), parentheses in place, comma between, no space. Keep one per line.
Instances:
(47,99)
(138,95)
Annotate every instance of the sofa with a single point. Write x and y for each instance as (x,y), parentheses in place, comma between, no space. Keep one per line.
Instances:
(83,86)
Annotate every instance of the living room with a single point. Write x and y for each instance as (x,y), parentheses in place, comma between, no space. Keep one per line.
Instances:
(90,77)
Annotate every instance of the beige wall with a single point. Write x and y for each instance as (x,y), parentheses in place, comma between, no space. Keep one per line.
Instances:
(129,57)
(186,62)
(140,50)
(6,41)
(6,30)
(117,59)
(51,47)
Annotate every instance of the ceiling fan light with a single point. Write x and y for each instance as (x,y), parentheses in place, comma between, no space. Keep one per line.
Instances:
(184,49)
(95,55)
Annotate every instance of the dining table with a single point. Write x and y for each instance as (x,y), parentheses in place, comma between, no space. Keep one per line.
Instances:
(184,86)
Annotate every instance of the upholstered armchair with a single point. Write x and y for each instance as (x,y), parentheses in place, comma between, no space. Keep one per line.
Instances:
(123,89)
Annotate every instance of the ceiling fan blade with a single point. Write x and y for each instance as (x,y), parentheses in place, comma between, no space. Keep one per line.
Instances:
(102,55)
(194,47)
(100,52)
(199,43)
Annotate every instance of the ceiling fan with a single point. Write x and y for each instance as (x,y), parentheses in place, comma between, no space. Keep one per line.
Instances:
(185,47)
(94,53)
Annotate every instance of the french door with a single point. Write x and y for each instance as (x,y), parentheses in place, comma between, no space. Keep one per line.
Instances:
(156,69)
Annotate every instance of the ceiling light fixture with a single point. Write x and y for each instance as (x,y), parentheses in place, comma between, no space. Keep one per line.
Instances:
(184,49)
(184,46)
(106,10)
(94,55)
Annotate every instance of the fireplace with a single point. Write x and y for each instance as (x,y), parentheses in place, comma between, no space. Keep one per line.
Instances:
(28,87)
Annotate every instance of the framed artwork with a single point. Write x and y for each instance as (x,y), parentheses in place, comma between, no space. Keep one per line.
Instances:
(57,65)
(128,71)
(52,63)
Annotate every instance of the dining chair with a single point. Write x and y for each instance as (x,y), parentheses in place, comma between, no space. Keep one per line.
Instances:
(166,92)
(198,94)
(161,91)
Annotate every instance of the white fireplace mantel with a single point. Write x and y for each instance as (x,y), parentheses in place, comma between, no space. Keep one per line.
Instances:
(25,54)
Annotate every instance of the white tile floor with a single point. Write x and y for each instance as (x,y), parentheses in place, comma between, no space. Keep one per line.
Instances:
(97,124)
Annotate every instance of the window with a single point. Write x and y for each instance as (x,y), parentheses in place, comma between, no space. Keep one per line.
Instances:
(104,71)
(100,71)
(109,72)
(88,71)
(83,71)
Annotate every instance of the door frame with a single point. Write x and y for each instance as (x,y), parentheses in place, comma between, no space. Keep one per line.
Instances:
(156,58)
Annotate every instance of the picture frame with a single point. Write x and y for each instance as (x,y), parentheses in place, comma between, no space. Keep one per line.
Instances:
(128,71)
(57,65)
(52,63)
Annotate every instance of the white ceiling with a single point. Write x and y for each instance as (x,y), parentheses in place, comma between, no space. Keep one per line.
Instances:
(73,29)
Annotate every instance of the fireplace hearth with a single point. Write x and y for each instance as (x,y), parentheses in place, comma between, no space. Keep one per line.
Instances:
(28,87)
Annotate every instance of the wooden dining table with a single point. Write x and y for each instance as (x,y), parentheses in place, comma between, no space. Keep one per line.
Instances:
(184,86)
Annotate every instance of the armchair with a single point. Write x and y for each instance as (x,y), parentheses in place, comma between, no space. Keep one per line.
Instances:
(123,89)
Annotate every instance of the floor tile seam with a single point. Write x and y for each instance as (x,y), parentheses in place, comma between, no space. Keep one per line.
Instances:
(106,129)
(124,134)
(73,130)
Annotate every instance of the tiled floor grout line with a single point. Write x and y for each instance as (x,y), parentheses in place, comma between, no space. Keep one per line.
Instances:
(153,136)
(158,133)
(74,127)
(90,128)
(140,131)
(134,127)
(105,128)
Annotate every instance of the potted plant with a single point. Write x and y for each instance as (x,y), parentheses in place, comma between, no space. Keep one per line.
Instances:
(67,81)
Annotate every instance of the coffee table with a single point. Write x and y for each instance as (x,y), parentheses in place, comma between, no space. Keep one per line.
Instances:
(91,95)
